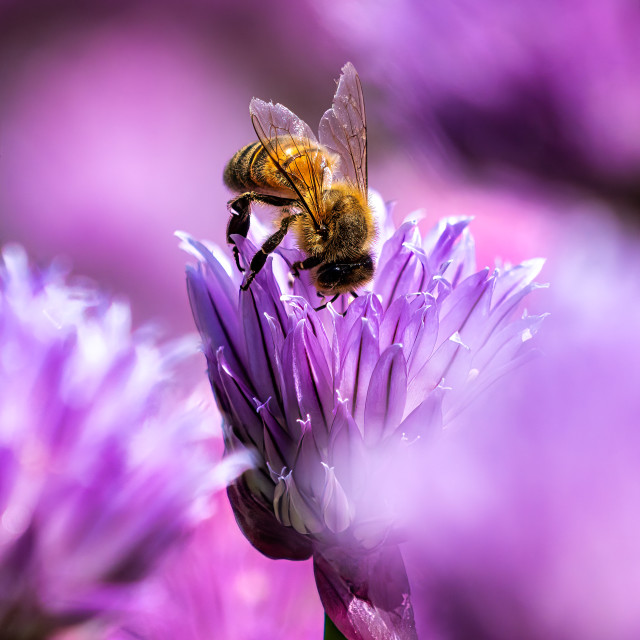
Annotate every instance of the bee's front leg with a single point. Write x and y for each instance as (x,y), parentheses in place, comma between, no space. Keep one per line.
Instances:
(305,265)
(323,306)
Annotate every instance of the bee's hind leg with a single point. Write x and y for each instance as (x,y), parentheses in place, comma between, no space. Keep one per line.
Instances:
(240,208)
(238,224)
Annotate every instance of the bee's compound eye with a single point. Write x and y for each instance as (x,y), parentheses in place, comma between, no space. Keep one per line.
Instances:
(330,275)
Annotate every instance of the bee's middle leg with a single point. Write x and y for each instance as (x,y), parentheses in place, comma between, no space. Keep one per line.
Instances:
(270,244)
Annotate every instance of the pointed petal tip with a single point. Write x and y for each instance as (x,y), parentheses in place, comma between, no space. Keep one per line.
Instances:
(415,217)
(462,220)
(348,66)
(182,235)
(189,244)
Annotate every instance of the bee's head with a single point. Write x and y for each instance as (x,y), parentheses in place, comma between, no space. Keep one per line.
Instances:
(342,277)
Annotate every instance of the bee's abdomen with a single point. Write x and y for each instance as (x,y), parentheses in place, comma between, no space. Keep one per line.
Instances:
(238,174)
(251,169)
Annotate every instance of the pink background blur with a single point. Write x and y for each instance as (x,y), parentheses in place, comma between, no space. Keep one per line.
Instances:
(116,121)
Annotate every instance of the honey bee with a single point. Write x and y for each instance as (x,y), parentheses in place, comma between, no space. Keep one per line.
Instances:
(320,188)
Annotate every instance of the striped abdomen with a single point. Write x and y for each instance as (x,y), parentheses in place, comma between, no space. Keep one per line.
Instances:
(251,168)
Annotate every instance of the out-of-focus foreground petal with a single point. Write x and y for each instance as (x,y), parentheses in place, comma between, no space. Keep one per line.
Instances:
(218,586)
(528,520)
(382,607)
(104,459)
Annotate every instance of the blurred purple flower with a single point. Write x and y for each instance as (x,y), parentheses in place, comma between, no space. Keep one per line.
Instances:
(528,522)
(335,404)
(101,470)
(549,88)
(219,586)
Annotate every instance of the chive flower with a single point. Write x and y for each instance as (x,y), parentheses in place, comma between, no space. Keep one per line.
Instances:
(333,402)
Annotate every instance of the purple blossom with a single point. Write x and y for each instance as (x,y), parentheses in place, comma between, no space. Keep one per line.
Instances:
(335,402)
(101,470)
(528,521)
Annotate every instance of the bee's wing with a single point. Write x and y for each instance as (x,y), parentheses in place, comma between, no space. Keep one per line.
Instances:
(280,131)
(343,128)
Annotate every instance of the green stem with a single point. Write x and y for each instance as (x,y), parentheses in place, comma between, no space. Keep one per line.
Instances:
(331,632)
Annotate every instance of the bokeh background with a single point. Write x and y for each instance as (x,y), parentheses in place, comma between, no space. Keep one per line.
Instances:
(117,118)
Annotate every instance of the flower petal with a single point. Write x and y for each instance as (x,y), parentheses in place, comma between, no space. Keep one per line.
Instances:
(420,336)
(261,527)
(432,373)
(263,343)
(279,446)
(400,271)
(472,295)
(425,420)
(214,314)
(294,509)
(242,405)
(311,384)
(440,241)
(517,278)
(366,597)
(394,323)
(347,450)
(358,362)
(386,396)
(336,508)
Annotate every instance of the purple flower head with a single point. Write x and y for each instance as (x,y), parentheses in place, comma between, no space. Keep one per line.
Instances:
(101,471)
(334,402)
